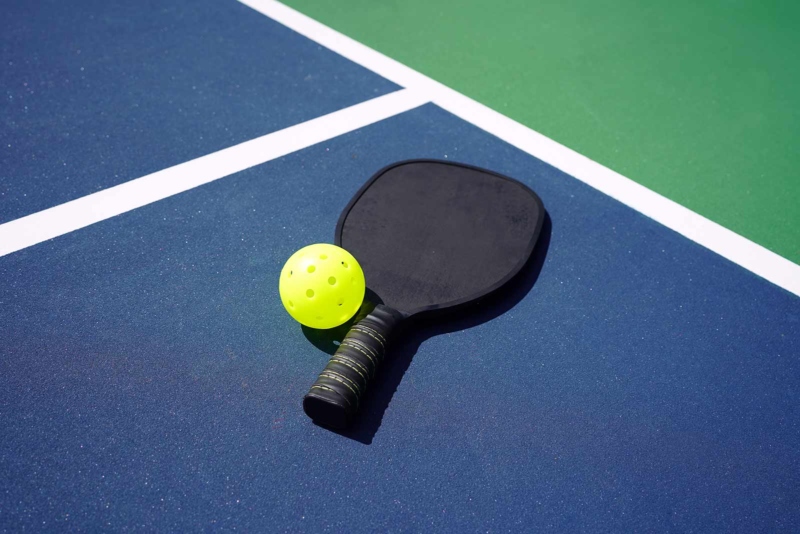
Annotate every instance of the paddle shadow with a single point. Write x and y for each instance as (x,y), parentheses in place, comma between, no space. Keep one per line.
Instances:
(411,335)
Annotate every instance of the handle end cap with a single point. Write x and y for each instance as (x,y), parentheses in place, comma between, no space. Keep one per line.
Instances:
(324,411)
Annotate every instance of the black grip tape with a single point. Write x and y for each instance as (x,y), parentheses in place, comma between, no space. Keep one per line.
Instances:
(334,398)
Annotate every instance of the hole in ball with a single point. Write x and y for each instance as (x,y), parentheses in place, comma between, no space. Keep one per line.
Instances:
(345,265)
(291,273)
(311,269)
(291,304)
(340,301)
(332,280)
(310,293)
(323,257)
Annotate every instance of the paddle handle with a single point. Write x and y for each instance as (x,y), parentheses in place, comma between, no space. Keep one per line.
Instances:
(334,398)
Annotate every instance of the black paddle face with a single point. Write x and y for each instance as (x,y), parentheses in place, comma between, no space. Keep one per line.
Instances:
(431,235)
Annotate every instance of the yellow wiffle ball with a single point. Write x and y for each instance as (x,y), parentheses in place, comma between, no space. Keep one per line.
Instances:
(322,286)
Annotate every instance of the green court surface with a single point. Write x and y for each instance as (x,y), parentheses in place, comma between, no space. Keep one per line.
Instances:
(695,100)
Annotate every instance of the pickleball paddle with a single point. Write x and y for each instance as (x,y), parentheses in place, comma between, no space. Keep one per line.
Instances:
(430,236)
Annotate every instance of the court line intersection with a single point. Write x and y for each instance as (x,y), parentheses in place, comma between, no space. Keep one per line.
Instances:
(699,229)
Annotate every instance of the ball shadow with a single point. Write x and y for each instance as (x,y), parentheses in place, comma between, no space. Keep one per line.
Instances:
(407,341)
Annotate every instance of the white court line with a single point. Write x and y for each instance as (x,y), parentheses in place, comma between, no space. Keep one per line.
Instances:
(711,235)
(79,213)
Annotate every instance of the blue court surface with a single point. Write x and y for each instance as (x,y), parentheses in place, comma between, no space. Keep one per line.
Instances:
(631,380)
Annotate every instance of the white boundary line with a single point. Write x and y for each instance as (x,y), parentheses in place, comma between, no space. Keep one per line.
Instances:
(79,213)
(707,233)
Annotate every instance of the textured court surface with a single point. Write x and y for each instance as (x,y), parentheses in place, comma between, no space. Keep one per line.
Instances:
(98,93)
(150,379)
